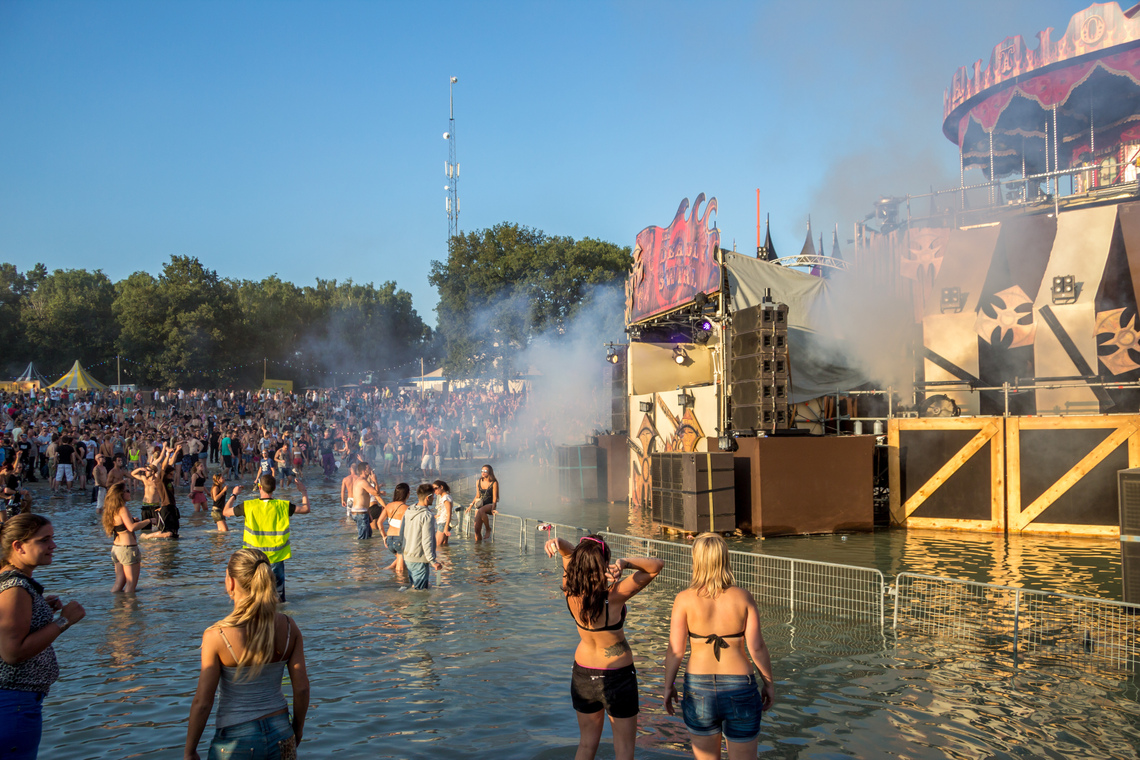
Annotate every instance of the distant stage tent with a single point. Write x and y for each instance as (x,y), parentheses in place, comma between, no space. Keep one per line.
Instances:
(78,379)
(32,375)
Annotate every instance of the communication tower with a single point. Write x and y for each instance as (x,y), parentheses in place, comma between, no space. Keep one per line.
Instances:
(451,168)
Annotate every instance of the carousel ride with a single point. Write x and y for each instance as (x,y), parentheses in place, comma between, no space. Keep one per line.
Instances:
(1069,108)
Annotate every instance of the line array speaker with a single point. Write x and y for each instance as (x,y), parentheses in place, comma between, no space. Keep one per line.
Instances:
(760,371)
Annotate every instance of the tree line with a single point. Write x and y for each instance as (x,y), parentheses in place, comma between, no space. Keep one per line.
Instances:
(189,327)
(503,286)
(499,289)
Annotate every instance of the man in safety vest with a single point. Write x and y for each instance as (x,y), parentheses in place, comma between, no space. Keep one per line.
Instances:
(267,523)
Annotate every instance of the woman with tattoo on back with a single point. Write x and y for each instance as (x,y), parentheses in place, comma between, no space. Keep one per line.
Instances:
(604,680)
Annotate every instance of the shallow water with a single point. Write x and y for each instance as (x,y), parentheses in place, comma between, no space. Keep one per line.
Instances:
(479,666)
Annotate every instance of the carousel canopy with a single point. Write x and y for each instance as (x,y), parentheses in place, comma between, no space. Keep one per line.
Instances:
(78,379)
(31,375)
(1083,88)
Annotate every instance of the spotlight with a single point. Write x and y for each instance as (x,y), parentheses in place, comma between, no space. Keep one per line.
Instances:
(679,355)
(612,356)
(685,399)
(1064,289)
(727,443)
(952,300)
(706,325)
(645,406)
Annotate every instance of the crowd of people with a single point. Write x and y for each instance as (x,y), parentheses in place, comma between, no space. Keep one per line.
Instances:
(161,449)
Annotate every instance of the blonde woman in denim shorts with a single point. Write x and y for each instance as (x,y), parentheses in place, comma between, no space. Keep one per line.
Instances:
(720,624)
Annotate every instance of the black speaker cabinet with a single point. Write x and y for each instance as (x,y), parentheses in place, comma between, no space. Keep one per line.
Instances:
(619,404)
(1128,496)
(694,491)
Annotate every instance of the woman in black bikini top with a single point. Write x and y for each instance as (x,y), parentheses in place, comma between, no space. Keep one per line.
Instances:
(722,695)
(604,681)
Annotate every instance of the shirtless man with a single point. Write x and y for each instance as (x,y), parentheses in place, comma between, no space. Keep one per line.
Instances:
(153,488)
(346,499)
(118,474)
(99,474)
(363,491)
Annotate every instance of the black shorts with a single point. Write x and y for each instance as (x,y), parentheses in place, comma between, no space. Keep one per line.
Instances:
(147,512)
(169,520)
(374,512)
(615,691)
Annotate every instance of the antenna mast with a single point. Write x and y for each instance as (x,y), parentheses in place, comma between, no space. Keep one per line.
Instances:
(451,168)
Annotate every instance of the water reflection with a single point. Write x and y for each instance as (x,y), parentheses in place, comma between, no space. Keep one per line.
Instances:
(482,660)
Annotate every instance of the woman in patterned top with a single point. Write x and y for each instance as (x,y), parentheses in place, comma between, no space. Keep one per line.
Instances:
(28,666)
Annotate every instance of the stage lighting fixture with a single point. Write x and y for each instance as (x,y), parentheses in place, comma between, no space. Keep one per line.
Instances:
(727,443)
(679,355)
(645,406)
(1064,289)
(952,300)
(706,325)
(685,399)
(611,356)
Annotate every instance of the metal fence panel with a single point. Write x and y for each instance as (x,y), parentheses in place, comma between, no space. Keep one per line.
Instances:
(841,590)
(1091,632)
(1023,623)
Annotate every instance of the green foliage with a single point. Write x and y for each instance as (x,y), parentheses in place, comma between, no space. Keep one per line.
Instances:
(189,327)
(501,287)
(67,316)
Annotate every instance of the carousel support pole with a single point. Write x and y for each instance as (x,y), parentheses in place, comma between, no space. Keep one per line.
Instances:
(1092,145)
(962,175)
(1048,179)
(1056,154)
(991,167)
(1025,185)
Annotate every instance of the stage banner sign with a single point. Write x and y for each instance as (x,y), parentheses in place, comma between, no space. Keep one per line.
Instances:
(671,265)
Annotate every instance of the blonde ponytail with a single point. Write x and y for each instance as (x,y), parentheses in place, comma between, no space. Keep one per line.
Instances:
(256,611)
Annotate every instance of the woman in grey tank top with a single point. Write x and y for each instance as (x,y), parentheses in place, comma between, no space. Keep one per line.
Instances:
(243,658)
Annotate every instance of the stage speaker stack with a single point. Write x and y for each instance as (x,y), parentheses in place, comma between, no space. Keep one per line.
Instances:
(694,491)
(1128,496)
(761,370)
(619,419)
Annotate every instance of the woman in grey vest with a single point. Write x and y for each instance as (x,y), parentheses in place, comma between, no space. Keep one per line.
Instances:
(245,656)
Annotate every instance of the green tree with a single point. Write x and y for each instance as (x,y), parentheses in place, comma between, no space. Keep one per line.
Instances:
(15,287)
(69,316)
(178,327)
(502,286)
(140,310)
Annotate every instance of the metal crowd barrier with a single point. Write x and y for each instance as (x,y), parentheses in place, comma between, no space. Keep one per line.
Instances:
(1030,625)
(800,585)
(1027,625)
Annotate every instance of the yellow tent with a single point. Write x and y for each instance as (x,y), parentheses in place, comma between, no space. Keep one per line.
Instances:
(77,379)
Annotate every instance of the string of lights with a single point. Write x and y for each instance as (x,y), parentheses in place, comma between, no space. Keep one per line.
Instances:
(289,364)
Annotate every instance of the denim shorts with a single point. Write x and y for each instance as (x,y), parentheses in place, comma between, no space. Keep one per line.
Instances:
(715,704)
(269,738)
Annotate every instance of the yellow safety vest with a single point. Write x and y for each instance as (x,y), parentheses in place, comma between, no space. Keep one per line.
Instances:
(267,527)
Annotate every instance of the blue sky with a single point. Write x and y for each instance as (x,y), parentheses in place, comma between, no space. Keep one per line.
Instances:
(306,138)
